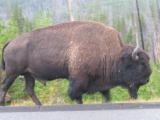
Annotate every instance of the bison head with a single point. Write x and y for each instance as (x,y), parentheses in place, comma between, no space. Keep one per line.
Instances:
(134,70)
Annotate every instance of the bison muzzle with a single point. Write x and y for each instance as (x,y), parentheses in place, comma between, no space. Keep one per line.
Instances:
(89,54)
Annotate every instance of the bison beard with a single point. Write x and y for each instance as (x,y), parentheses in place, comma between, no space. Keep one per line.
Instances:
(89,54)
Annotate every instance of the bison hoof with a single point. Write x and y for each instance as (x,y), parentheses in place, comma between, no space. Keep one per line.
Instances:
(39,104)
(2,103)
(8,99)
(106,101)
(79,101)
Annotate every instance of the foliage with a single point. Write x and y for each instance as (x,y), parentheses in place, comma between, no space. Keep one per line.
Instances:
(129,38)
(93,11)
(7,32)
(22,22)
(42,19)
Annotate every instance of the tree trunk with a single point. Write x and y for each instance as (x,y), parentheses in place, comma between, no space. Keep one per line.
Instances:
(140,24)
(158,9)
(69,3)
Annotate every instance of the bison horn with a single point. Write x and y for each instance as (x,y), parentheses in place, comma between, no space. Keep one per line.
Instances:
(135,51)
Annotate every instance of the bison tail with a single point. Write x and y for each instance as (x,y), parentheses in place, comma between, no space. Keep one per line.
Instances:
(3,62)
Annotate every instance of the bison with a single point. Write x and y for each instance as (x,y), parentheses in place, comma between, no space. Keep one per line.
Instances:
(89,54)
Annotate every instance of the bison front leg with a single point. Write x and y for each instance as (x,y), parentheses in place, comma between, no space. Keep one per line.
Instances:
(106,94)
(133,92)
(76,89)
(30,83)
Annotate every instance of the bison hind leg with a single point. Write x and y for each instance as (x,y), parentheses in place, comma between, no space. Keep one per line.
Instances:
(106,94)
(30,83)
(5,85)
(76,89)
(75,95)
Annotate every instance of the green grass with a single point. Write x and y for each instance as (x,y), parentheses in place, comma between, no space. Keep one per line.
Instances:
(55,92)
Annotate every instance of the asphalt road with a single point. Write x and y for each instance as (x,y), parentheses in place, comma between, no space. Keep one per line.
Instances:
(136,111)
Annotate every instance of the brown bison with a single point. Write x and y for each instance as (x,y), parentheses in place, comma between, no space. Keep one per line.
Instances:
(89,54)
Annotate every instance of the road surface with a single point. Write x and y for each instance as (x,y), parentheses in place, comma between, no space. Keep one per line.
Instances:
(132,111)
